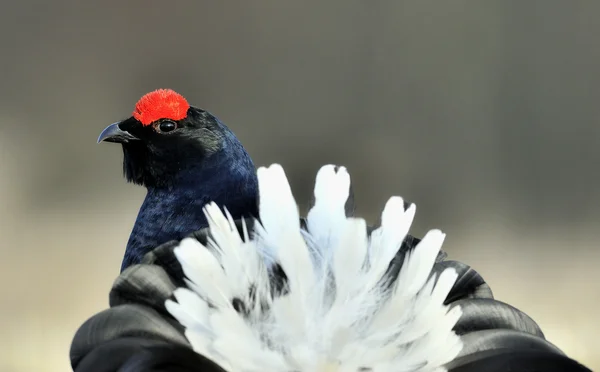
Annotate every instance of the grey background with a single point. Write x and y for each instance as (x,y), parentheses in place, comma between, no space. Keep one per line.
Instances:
(485,114)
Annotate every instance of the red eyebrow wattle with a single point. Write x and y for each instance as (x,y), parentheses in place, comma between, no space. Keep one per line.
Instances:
(160,104)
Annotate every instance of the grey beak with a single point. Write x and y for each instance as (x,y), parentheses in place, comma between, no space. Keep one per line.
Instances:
(113,133)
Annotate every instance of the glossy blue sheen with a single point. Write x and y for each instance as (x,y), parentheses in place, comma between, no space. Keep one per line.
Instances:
(227,177)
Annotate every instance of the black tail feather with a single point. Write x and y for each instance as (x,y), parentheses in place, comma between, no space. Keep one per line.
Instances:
(169,358)
(508,360)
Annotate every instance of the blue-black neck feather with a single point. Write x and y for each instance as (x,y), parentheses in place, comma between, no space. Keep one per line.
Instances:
(227,177)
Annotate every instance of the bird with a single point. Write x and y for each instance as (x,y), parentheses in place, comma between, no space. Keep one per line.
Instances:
(185,157)
(222,273)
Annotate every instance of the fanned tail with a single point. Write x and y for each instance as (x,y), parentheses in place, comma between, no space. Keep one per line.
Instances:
(338,311)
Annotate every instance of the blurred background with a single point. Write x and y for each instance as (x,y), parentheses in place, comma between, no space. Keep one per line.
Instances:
(485,114)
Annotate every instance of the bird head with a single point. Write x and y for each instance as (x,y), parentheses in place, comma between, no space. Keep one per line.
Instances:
(166,139)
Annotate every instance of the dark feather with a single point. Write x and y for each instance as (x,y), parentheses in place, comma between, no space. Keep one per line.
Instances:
(169,358)
(516,360)
(125,321)
(501,338)
(140,354)
(487,313)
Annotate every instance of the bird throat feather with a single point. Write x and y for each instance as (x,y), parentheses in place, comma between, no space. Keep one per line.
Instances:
(338,310)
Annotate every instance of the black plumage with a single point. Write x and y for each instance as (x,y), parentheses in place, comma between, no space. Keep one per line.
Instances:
(188,162)
(183,164)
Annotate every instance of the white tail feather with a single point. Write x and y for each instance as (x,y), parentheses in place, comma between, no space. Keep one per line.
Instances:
(338,312)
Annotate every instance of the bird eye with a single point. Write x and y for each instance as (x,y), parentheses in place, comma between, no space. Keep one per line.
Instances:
(167,126)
